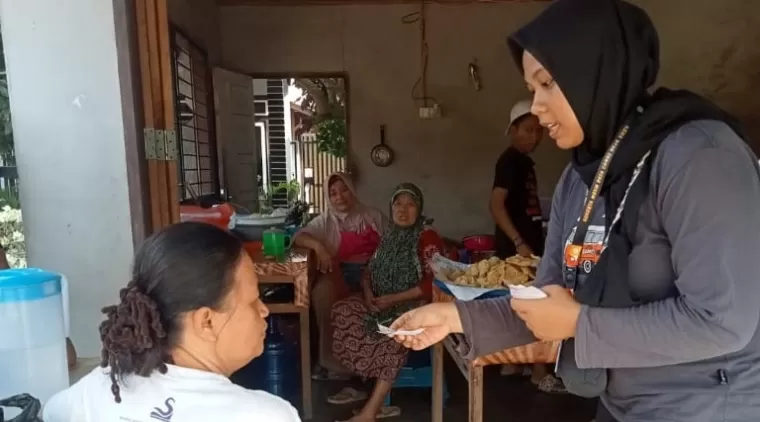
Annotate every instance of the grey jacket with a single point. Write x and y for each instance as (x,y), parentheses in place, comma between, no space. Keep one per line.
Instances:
(692,352)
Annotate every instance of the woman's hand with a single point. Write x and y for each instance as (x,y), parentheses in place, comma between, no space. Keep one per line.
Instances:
(552,318)
(324,260)
(437,319)
(369,301)
(384,302)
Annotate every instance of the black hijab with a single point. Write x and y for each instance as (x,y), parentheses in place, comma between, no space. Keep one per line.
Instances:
(604,55)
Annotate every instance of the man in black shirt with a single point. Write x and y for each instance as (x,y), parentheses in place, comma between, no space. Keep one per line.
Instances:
(516,210)
(515,206)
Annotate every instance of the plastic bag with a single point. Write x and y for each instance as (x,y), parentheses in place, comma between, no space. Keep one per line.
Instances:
(30,408)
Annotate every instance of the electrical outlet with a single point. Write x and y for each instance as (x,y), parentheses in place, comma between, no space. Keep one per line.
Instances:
(433,112)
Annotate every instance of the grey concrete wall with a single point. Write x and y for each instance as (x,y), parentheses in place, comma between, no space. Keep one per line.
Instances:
(707,46)
(69,131)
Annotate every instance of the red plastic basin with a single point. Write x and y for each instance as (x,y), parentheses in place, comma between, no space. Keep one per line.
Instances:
(479,243)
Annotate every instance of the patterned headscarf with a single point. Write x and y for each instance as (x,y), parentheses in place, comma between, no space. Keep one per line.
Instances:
(395,266)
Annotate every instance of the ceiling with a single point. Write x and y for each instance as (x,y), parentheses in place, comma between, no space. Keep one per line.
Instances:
(344,2)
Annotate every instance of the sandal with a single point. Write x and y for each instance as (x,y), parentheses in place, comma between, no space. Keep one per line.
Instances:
(552,385)
(388,412)
(346,396)
(385,412)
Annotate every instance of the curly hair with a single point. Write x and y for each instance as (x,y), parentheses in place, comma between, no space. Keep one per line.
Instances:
(133,337)
(182,268)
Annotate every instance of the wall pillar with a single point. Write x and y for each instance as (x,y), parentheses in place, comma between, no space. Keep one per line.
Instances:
(71,84)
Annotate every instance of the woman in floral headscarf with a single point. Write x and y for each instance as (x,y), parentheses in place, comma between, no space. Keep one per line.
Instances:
(398,278)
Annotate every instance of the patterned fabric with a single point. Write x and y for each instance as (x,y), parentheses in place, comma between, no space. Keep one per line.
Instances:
(356,346)
(395,267)
(368,356)
(295,266)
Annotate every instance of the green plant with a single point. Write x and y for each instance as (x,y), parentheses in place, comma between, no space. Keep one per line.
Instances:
(9,199)
(12,236)
(331,137)
(325,98)
(291,189)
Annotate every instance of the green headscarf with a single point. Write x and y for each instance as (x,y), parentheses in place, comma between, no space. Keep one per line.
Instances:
(395,267)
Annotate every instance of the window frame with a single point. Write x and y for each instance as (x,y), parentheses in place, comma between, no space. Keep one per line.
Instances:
(192,192)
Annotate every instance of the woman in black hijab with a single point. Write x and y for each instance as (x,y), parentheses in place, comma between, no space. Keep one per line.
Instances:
(654,227)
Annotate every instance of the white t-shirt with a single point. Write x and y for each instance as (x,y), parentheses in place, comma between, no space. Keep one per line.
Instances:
(180,395)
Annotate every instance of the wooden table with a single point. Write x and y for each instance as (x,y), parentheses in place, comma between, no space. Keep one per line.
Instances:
(296,269)
(472,369)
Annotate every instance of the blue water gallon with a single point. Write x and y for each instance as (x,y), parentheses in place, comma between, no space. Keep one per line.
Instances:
(276,370)
(34,322)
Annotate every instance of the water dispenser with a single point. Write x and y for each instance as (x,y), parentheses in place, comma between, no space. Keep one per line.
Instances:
(34,323)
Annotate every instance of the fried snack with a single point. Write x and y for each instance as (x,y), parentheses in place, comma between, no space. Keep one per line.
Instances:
(529,271)
(523,261)
(494,260)
(455,274)
(494,278)
(465,280)
(494,273)
(514,275)
(483,268)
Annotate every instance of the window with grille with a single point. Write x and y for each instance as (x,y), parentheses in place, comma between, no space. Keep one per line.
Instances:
(195,120)
(260,108)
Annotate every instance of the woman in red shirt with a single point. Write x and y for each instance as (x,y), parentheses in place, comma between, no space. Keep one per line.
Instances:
(344,237)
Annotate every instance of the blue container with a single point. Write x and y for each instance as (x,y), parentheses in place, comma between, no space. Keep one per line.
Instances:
(352,275)
(34,324)
(465,256)
(274,371)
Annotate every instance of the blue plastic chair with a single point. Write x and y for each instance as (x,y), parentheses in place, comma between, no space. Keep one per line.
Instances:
(417,373)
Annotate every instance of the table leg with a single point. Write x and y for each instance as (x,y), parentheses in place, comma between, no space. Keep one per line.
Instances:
(437,410)
(475,388)
(305,364)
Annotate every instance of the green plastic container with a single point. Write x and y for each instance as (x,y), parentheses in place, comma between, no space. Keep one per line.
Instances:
(275,242)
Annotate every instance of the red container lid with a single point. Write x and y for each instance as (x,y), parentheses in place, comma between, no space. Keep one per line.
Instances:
(481,242)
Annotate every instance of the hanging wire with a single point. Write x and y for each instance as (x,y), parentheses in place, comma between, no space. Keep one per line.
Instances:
(419,17)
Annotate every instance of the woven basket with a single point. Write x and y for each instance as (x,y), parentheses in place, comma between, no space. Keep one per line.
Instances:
(538,352)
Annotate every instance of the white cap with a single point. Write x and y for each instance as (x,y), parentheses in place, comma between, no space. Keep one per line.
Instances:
(521,108)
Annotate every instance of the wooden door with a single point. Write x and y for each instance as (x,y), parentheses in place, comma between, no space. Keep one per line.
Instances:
(158,111)
(236,137)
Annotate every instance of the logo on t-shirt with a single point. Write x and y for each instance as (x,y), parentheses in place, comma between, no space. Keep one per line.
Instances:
(164,415)
(593,244)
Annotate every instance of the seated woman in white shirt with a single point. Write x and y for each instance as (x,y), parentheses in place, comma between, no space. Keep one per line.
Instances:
(190,317)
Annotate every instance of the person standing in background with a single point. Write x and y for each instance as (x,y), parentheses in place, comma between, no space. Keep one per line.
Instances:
(514,204)
(516,210)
